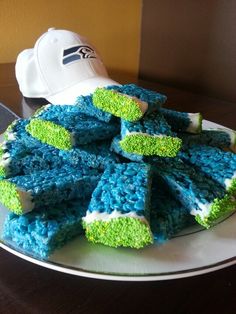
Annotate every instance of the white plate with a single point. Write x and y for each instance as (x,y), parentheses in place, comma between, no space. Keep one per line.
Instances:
(193,252)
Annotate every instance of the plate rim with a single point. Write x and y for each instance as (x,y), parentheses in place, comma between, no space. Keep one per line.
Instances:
(119,276)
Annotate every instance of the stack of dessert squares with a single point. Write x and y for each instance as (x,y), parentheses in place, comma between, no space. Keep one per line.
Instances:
(117,167)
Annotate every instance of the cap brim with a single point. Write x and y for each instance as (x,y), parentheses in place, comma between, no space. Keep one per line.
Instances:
(69,95)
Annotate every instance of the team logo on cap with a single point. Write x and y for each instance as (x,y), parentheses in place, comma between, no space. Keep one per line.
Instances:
(77,53)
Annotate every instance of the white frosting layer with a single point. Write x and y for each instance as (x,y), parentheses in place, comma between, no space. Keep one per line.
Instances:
(5,161)
(96,215)
(232,136)
(144,134)
(6,155)
(26,200)
(194,124)
(204,210)
(143,105)
(4,145)
(228,182)
(11,136)
(45,107)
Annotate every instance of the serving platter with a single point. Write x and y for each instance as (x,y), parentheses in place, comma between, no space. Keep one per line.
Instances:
(192,252)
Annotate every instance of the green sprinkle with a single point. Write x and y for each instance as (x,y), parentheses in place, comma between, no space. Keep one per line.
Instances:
(40,110)
(120,105)
(3,172)
(1,151)
(2,168)
(219,208)
(9,197)
(195,127)
(122,231)
(50,133)
(232,188)
(233,142)
(147,145)
(8,130)
(199,128)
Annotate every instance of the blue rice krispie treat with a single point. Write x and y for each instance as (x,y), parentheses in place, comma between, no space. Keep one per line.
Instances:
(183,121)
(205,198)
(95,155)
(220,137)
(22,194)
(150,136)
(129,102)
(154,99)
(120,105)
(167,215)
(41,232)
(16,131)
(86,106)
(118,213)
(19,158)
(18,149)
(64,127)
(217,164)
(115,147)
(21,154)
(13,128)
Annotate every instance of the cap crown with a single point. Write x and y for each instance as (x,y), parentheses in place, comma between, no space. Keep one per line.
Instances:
(59,60)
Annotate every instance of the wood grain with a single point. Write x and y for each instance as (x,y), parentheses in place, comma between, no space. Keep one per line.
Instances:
(9,93)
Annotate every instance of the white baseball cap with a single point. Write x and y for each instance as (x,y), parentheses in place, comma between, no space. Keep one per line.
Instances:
(61,66)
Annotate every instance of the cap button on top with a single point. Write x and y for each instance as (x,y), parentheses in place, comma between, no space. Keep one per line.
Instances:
(53,37)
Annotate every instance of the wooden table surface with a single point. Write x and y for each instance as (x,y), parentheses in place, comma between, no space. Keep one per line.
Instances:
(29,288)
